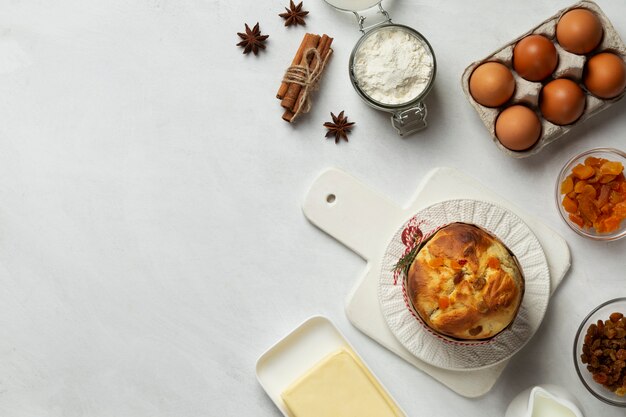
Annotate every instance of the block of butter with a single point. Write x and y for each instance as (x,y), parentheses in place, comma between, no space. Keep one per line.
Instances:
(339,386)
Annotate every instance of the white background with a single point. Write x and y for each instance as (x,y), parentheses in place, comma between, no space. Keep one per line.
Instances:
(152,244)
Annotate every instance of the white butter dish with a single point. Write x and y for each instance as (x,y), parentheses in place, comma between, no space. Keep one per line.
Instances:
(298,352)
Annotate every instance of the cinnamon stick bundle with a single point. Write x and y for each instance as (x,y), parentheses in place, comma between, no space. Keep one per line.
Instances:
(298,83)
(294,89)
(284,86)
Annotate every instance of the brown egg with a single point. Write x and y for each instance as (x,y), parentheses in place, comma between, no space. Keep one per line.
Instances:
(605,75)
(562,101)
(579,31)
(492,84)
(518,128)
(535,58)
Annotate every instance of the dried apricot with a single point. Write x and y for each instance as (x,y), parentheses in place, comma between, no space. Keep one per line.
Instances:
(589,191)
(567,186)
(616,197)
(587,208)
(594,195)
(593,161)
(611,168)
(620,209)
(603,197)
(611,224)
(606,178)
(576,219)
(571,206)
(583,172)
(596,177)
(578,188)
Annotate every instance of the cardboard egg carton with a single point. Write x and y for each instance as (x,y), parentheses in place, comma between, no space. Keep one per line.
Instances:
(527,92)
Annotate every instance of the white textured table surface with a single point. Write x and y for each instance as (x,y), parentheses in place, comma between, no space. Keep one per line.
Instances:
(151,239)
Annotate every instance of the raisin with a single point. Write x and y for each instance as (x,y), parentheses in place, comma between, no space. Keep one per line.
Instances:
(476,330)
(479,283)
(595,344)
(604,352)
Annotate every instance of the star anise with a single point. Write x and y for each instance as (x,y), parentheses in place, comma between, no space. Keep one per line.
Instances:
(339,127)
(252,39)
(294,15)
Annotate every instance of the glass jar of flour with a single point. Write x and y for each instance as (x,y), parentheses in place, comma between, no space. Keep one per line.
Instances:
(392,67)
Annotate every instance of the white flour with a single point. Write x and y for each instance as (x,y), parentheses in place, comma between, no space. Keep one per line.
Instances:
(392,66)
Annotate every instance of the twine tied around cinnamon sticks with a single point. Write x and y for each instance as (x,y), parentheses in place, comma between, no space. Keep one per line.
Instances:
(307,78)
(304,74)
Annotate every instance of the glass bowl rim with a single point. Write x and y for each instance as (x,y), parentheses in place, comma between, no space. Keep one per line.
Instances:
(577,358)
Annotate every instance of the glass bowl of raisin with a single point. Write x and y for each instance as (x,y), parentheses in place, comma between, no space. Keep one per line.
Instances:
(600,352)
(591,194)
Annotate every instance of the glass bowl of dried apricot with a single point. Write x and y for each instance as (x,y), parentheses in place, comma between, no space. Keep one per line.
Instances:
(591,194)
(600,352)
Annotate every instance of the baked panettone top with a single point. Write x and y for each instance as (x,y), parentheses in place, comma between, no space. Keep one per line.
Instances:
(464,283)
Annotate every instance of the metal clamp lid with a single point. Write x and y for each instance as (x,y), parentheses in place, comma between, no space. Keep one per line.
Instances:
(356,6)
(361,19)
(410,120)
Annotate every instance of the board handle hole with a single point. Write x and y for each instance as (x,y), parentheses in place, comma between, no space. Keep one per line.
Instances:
(330,198)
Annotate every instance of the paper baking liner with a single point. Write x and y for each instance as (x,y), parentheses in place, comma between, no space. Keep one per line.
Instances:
(431,347)
(419,244)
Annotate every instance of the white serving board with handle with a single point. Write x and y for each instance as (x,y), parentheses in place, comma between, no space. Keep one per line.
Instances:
(364,221)
(299,351)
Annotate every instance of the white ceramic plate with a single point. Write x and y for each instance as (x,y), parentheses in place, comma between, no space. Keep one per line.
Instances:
(298,352)
(432,348)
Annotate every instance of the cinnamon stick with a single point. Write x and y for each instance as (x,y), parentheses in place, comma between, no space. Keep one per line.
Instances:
(288,115)
(323,48)
(324,45)
(284,86)
(294,89)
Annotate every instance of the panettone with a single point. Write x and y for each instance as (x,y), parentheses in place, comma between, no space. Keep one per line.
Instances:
(464,283)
